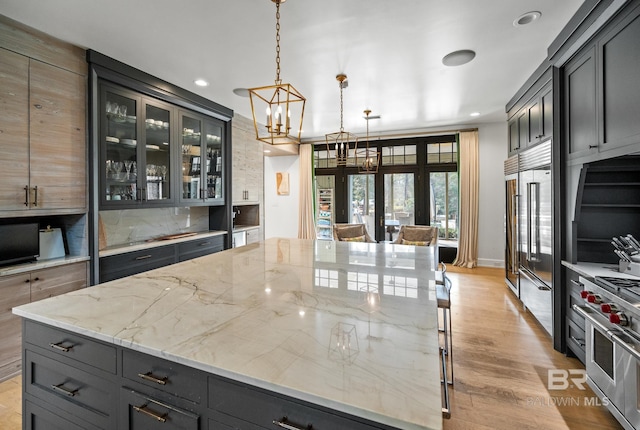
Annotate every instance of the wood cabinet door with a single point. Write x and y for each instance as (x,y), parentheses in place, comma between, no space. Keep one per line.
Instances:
(14,130)
(58,152)
(580,102)
(514,137)
(534,114)
(546,114)
(58,280)
(619,54)
(523,129)
(15,292)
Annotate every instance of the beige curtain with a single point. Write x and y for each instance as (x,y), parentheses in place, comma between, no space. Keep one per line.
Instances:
(469,178)
(306,223)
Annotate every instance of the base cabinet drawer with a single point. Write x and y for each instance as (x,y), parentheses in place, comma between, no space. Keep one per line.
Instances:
(81,394)
(200,247)
(265,410)
(38,418)
(71,346)
(166,376)
(142,412)
(127,264)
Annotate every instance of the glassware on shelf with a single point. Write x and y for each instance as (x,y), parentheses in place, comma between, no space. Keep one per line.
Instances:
(127,166)
(118,174)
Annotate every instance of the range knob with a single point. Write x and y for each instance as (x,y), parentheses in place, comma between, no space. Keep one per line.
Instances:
(594,298)
(607,308)
(618,318)
(584,293)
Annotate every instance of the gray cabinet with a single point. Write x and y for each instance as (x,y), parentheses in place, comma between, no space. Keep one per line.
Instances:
(140,411)
(619,58)
(533,121)
(130,263)
(581,133)
(574,322)
(75,382)
(602,96)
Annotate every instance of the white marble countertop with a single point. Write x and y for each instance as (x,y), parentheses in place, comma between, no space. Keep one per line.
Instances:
(245,227)
(273,314)
(591,270)
(137,246)
(41,264)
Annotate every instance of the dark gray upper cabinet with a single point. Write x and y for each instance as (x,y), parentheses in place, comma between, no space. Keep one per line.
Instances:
(619,53)
(533,121)
(602,95)
(581,136)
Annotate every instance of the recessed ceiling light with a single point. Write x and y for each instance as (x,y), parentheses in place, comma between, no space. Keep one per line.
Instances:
(266,151)
(474,114)
(201,82)
(458,58)
(526,18)
(242,92)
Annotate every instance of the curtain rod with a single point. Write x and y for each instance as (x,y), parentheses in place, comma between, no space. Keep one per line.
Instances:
(406,134)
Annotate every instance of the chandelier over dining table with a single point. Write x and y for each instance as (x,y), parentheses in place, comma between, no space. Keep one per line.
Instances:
(281,105)
(342,143)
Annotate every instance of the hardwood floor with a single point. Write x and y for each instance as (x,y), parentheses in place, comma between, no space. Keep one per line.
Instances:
(11,404)
(501,358)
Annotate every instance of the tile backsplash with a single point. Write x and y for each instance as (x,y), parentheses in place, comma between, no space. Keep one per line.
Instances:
(137,225)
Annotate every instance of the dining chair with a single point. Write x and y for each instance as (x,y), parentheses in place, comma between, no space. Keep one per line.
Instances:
(419,235)
(351,233)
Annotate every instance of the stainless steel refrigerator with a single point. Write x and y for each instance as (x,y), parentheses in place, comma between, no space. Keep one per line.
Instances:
(511,256)
(535,227)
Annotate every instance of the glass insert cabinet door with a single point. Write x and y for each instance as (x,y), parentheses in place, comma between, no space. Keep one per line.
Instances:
(202,156)
(121,158)
(136,152)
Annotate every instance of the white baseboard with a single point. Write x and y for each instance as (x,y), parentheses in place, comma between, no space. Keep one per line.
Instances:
(488,262)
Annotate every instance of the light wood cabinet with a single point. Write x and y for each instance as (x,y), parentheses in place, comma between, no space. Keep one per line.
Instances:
(58,151)
(43,139)
(14,127)
(248,164)
(16,290)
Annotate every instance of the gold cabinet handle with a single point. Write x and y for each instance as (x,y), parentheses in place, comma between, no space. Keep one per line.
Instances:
(59,388)
(26,195)
(148,412)
(59,347)
(149,377)
(35,200)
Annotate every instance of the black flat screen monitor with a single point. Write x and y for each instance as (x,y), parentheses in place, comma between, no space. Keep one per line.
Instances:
(19,243)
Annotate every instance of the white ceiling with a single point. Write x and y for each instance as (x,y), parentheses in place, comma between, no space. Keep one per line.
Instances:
(391,51)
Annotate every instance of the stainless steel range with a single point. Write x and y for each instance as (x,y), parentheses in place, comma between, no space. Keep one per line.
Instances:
(612,325)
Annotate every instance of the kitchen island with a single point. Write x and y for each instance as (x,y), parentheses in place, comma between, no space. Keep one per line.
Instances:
(335,329)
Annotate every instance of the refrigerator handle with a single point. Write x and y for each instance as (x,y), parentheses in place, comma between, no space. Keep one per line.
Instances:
(516,232)
(533,220)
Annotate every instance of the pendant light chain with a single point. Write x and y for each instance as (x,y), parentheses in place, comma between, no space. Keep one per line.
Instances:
(278,80)
(341,109)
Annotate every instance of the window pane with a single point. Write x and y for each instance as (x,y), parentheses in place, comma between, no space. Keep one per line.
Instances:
(399,155)
(444,203)
(399,201)
(362,200)
(325,211)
